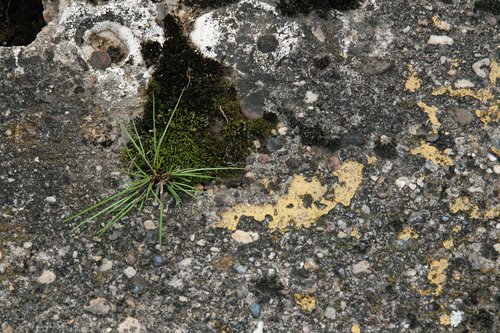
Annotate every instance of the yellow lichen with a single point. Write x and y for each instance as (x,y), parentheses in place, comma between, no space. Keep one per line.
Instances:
(436,275)
(492,213)
(297,208)
(355,329)
(432,114)
(350,175)
(288,210)
(456,229)
(482,95)
(372,160)
(492,115)
(408,233)
(432,154)
(413,82)
(355,234)
(494,72)
(306,302)
(495,150)
(445,320)
(463,204)
(448,244)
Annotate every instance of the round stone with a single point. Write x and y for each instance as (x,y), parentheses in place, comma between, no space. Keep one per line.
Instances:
(100,60)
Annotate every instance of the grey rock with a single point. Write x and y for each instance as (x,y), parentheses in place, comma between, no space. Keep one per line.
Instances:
(275,143)
(255,310)
(375,66)
(462,116)
(416,217)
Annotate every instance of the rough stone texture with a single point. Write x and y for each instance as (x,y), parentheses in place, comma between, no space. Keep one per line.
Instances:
(59,140)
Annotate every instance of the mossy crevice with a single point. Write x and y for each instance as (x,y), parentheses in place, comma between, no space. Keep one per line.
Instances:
(208,129)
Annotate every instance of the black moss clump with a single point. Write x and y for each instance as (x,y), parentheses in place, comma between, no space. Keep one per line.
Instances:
(20,21)
(208,129)
(304,7)
(492,6)
(208,3)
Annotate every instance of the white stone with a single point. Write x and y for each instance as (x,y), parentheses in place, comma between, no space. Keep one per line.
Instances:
(282,130)
(330,313)
(318,33)
(481,67)
(456,318)
(51,199)
(260,327)
(310,97)
(496,169)
(464,84)
(47,277)
(361,267)
(183,299)
(129,272)
(106,265)
(440,40)
(130,325)
(185,262)
(244,237)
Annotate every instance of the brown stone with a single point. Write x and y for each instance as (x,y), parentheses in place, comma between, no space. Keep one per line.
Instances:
(100,60)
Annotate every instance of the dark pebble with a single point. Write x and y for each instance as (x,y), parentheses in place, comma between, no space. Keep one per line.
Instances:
(252,105)
(100,60)
(267,43)
(375,66)
(157,261)
(255,309)
(275,143)
(416,217)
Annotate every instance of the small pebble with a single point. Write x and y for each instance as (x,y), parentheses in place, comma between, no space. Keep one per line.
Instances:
(27,245)
(240,269)
(100,60)
(496,169)
(481,67)
(106,265)
(149,225)
(157,261)
(361,267)
(129,272)
(244,237)
(98,306)
(47,277)
(130,325)
(183,299)
(440,40)
(464,84)
(255,309)
(130,259)
(51,199)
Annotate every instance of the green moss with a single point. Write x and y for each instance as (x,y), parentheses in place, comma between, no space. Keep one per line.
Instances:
(208,129)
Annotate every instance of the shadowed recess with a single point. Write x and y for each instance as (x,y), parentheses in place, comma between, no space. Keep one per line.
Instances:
(20,21)
(297,7)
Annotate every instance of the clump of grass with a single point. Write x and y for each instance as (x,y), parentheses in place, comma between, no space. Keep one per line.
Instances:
(152,178)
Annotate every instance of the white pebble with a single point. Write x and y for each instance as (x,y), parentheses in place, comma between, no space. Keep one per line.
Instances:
(106,265)
(440,40)
(244,237)
(149,225)
(480,67)
(260,327)
(129,272)
(47,277)
(310,97)
(464,84)
(51,199)
(496,169)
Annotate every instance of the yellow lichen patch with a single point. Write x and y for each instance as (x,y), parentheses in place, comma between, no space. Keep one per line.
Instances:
(372,160)
(307,303)
(492,213)
(448,244)
(408,233)
(492,115)
(432,154)
(456,229)
(494,72)
(436,275)
(432,114)
(495,150)
(350,175)
(463,204)
(482,95)
(288,210)
(355,234)
(355,329)
(445,320)
(413,82)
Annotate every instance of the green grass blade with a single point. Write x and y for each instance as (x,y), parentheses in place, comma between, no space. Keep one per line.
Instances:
(124,211)
(132,188)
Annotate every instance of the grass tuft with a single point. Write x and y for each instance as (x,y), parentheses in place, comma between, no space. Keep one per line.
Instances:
(152,178)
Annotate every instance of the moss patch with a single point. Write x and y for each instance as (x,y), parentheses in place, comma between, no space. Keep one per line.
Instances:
(208,129)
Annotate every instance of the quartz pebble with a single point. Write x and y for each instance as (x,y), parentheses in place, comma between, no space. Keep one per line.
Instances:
(480,67)
(130,325)
(129,272)
(98,306)
(440,40)
(244,237)
(47,277)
